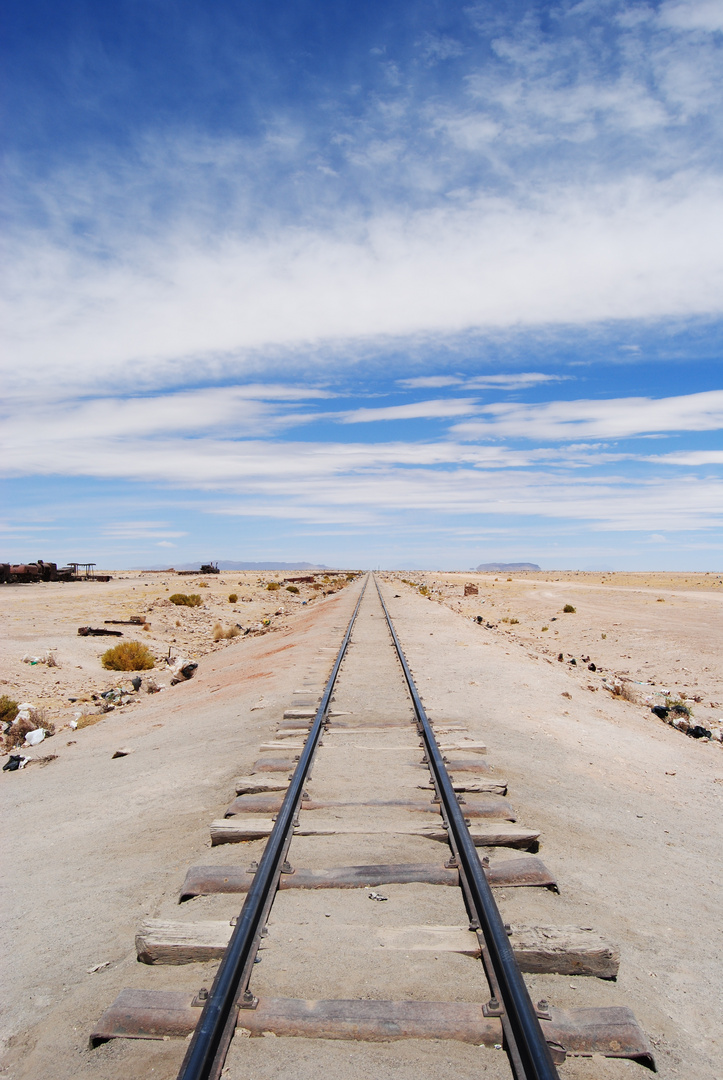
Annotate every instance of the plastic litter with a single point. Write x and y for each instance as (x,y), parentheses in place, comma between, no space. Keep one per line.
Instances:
(33,738)
(377,896)
(15,761)
(182,670)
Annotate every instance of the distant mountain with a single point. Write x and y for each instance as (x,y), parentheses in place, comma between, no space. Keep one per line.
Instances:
(500,566)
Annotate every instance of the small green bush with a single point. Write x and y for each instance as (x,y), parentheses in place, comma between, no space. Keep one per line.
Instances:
(292,588)
(185,600)
(8,709)
(273,586)
(232,597)
(569,609)
(128,656)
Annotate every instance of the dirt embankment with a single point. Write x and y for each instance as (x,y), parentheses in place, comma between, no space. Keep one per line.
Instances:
(653,639)
(48,666)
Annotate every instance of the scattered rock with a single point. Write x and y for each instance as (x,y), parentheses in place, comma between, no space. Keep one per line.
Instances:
(98,967)
(123,752)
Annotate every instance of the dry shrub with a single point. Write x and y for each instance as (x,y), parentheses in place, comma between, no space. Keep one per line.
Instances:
(88,719)
(272,586)
(628,693)
(569,609)
(624,690)
(219,634)
(292,588)
(678,707)
(185,599)
(232,598)
(8,710)
(424,590)
(16,735)
(128,656)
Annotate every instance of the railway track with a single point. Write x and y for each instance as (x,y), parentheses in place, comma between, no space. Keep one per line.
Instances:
(361,797)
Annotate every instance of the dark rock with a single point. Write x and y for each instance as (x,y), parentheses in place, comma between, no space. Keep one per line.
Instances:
(591,667)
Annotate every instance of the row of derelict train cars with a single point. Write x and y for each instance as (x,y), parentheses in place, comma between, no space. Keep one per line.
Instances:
(28,573)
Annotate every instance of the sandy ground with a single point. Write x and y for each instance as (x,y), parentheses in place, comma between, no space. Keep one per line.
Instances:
(658,634)
(630,813)
(42,620)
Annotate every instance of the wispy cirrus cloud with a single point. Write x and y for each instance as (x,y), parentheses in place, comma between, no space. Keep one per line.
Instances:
(616,418)
(219,302)
(439,409)
(511,381)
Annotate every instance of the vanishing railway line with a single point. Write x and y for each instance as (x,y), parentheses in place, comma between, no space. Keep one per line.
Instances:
(410,785)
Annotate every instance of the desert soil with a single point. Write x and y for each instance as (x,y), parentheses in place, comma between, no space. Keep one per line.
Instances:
(629,808)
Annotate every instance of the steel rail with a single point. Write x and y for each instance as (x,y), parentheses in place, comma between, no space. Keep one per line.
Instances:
(529,1055)
(206,1052)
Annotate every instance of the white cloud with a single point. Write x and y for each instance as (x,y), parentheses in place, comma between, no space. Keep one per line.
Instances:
(430,410)
(139,530)
(430,382)
(692,14)
(171,310)
(512,381)
(243,411)
(615,418)
(690,458)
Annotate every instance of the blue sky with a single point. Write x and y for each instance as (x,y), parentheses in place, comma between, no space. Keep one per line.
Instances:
(402,284)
